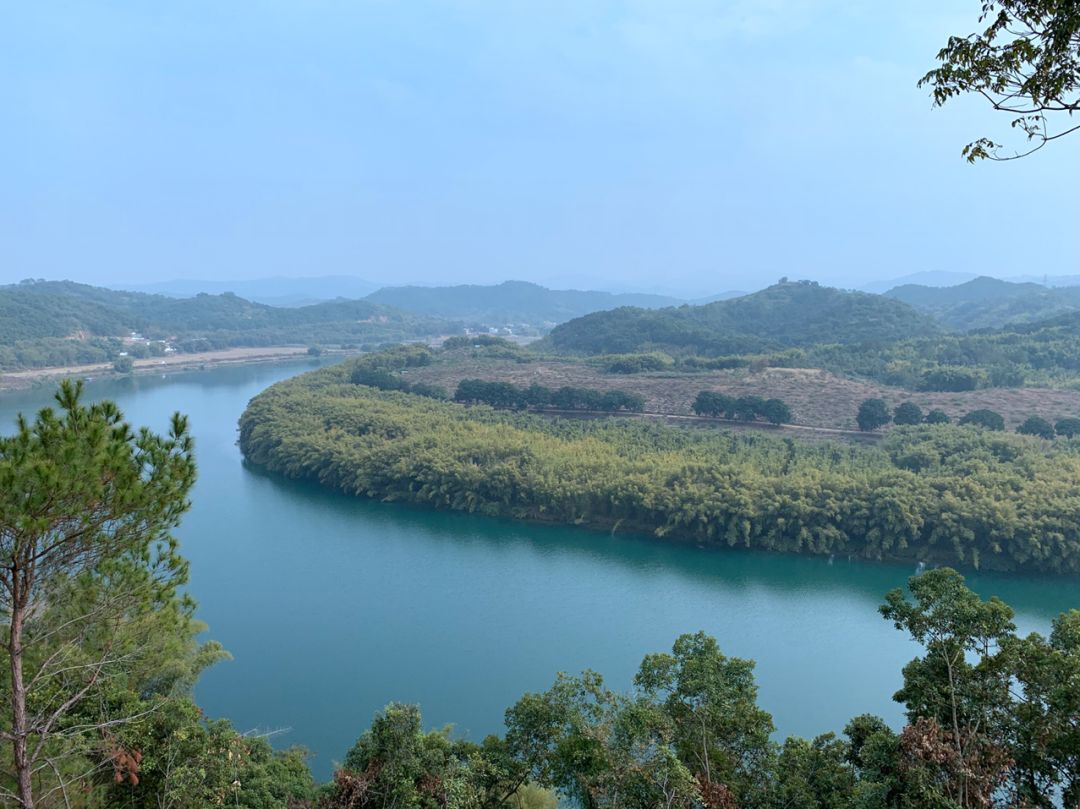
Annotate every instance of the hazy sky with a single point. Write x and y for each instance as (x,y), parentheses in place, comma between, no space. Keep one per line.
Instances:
(680,144)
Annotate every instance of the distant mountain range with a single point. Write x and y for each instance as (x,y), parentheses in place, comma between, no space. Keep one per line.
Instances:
(272,291)
(988,302)
(510,303)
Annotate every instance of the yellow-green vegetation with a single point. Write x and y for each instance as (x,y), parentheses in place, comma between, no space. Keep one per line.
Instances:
(945,493)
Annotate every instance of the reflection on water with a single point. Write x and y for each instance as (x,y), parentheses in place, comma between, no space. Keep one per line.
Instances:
(334,606)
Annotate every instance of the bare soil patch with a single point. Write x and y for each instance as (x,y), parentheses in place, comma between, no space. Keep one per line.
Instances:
(817,398)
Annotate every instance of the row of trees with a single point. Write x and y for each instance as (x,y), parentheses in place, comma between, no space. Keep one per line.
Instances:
(506,395)
(874,413)
(1011,503)
(743,408)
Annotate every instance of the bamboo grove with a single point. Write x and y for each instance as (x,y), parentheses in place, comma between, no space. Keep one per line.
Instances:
(938,493)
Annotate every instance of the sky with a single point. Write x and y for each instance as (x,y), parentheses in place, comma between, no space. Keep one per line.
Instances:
(687,146)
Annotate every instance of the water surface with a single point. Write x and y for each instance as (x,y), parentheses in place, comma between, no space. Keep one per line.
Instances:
(333,606)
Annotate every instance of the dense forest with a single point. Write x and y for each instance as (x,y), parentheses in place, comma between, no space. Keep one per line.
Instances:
(57,323)
(511,303)
(940,493)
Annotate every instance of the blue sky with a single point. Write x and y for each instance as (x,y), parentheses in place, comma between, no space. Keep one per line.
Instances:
(671,144)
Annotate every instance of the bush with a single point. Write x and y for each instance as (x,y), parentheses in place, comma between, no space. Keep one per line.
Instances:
(1067,427)
(986,419)
(715,405)
(907,414)
(873,413)
(1036,425)
(123,365)
(638,363)
(776,411)
(951,380)
(941,417)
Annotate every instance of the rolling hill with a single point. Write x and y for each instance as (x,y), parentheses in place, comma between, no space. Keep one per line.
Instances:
(988,302)
(510,303)
(785,315)
(59,322)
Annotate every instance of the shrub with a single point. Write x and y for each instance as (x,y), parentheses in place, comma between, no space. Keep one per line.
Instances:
(908,413)
(951,379)
(776,411)
(1036,425)
(1067,427)
(940,417)
(986,419)
(716,405)
(873,413)
(638,363)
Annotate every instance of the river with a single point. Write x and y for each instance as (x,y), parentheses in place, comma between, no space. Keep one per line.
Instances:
(333,606)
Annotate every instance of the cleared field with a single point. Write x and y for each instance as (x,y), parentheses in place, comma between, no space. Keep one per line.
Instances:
(817,398)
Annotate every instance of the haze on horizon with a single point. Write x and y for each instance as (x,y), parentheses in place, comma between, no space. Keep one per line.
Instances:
(676,145)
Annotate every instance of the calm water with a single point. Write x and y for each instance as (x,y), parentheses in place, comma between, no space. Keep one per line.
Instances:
(333,607)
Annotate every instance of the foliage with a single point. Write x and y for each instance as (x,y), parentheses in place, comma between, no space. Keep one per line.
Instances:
(745,408)
(987,419)
(637,363)
(1038,426)
(90,580)
(937,417)
(503,395)
(938,492)
(907,413)
(873,413)
(1067,427)
(1025,62)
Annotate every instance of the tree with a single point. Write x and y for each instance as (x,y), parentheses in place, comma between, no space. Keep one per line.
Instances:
(124,365)
(957,695)
(908,413)
(986,419)
(1038,426)
(748,408)
(1067,427)
(937,417)
(86,564)
(720,733)
(873,413)
(1025,62)
(776,411)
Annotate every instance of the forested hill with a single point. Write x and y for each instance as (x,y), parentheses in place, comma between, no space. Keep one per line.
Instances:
(988,302)
(783,316)
(59,322)
(509,303)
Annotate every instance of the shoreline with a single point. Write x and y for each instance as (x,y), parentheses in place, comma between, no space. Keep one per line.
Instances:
(33,377)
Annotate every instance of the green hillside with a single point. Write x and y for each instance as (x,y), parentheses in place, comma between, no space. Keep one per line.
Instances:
(785,315)
(510,303)
(59,322)
(988,302)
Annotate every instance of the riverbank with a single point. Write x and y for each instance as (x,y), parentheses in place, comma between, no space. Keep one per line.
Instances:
(23,380)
